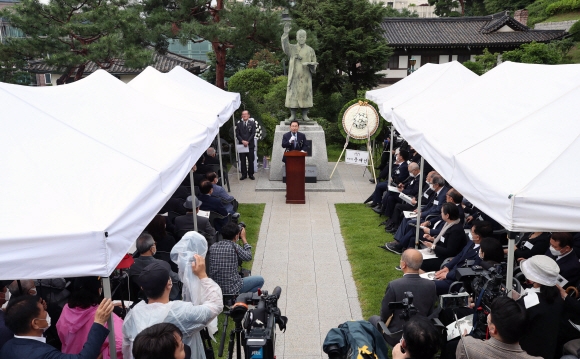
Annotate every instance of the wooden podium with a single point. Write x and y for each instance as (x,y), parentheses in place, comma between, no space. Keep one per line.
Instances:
(295,177)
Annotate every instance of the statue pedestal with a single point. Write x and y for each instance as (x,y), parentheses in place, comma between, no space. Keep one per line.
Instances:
(319,158)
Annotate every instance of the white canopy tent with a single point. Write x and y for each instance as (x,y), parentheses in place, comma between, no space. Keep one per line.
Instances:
(86,167)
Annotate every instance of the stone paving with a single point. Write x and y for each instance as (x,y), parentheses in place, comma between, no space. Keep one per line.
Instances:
(300,248)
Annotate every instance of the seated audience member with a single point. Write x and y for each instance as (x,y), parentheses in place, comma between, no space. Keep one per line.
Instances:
(448,242)
(27,318)
(561,251)
(381,187)
(506,324)
(25,287)
(433,207)
(543,304)
(76,319)
(188,317)
(147,248)
(420,340)
(220,193)
(399,169)
(568,334)
(198,177)
(531,244)
(163,340)
(157,229)
(210,157)
(186,222)
(5,333)
(181,192)
(409,187)
(392,224)
(424,294)
(447,275)
(226,256)
(212,204)
(490,252)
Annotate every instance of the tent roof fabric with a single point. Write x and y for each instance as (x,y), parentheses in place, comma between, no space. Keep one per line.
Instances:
(511,150)
(163,63)
(183,90)
(462,31)
(90,163)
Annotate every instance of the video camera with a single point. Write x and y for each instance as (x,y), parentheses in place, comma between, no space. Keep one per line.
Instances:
(408,309)
(484,286)
(259,324)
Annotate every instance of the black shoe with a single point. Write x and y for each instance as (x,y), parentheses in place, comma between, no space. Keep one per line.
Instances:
(394,247)
(252,178)
(392,230)
(243,178)
(372,181)
(368,200)
(383,223)
(371,205)
(378,209)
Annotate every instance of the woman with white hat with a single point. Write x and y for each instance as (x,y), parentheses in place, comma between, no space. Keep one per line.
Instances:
(543,304)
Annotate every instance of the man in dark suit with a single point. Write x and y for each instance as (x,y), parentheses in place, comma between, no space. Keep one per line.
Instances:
(561,251)
(423,290)
(186,221)
(212,204)
(399,170)
(245,133)
(26,317)
(294,140)
(409,187)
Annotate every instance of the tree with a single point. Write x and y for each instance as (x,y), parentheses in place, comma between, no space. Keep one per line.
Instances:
(236,31)
(495,6)
(68,34)
(539,53)
(404,12)
(351,48)
(483,63)
(447,8)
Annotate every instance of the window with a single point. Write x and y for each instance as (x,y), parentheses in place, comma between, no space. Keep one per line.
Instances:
(463,58)
(429,59)
(390,4)
(48,79)
(393,62)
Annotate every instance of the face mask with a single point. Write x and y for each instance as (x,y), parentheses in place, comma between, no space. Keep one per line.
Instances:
(47,322)
(555,252)
(431,187)
(470,236)
(480,255)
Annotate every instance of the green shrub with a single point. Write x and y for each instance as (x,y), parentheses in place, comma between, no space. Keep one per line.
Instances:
(474,66)
(255,82)
(331,132)
(562,6)
(575,31)
(275,99)
(537,11)
(536,53)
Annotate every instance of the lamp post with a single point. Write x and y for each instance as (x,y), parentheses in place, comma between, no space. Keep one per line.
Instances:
(412,62)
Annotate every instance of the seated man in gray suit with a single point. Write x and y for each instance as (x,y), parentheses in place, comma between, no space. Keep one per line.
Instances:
(423,290)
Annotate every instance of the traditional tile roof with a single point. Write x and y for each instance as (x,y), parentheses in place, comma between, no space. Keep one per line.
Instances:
(162,63)
(462,31)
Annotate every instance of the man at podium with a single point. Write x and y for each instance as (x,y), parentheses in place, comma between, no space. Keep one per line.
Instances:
(294,140)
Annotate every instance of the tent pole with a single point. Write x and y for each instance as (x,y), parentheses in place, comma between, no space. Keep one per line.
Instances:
(236,149)
(112,343)
(510,261)
(391,154)
(219,144)
(419,198)
(193,200)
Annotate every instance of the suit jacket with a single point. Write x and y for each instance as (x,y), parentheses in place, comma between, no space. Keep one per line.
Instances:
(212,204)
(18,348)
(400,172)
(301,144)
(455,240)
(435,203)
(492,348)
(540,245)
(542,325)
(467,253)
(424,297)
(412,186)
(246,133)
(186,222)
(143,261)
(569,266)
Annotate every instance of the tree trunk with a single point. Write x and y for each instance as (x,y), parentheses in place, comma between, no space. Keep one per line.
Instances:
(80,72)
(220,63)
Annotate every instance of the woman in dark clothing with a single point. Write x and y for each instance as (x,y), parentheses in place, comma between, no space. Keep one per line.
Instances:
(544,306)
(531,244)
(490,252)
(449,242)
(164,241)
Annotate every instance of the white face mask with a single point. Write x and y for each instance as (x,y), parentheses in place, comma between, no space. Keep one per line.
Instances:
(555,252)
(431,187)
(480,255)
(47,322)
(470,236)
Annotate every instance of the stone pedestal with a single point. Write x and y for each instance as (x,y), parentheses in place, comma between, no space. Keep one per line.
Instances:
(319,158)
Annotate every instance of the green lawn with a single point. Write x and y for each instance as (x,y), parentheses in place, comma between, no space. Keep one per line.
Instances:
(372,268)
(251,215)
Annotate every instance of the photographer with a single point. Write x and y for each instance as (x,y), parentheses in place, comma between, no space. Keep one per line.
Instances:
(506,323)
(420,340)
(225,257)
(423,292)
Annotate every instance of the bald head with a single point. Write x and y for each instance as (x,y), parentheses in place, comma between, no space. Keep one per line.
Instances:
(412,259)
(413,167)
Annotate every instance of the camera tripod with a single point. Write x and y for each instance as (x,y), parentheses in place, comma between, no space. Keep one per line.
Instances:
(236,334)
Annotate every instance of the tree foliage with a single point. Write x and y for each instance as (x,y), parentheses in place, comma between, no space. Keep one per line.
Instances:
(495,6)
(446,8)
(537,11)
(404,12)
(68,34)
(351,47)
(236,31)
(539,53)
(562,6)
(483,63)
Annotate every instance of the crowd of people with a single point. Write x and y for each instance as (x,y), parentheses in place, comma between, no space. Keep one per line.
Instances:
(536,321)
(172,301)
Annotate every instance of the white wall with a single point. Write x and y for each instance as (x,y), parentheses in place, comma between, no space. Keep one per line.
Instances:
(403,61)
(443,59)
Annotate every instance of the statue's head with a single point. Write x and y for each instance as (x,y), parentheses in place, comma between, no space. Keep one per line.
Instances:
(301,37)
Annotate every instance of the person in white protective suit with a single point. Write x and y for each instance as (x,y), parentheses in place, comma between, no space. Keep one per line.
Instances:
(203,297)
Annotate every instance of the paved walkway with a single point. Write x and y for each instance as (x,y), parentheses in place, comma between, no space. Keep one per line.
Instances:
(300,248)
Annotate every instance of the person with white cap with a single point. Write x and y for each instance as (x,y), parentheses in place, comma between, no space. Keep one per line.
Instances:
(543,305)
